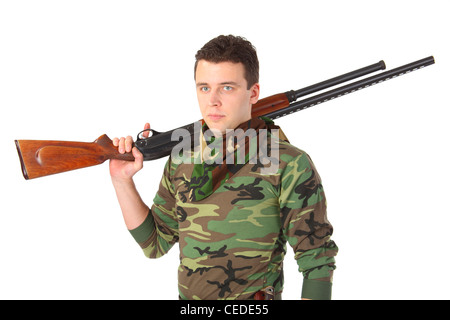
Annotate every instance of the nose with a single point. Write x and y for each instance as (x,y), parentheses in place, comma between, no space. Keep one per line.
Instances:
(214,99)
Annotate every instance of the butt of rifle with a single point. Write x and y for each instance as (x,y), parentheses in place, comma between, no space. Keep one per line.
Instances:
(22,164)
(40,158)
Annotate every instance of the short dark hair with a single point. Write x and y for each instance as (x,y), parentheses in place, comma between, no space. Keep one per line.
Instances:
(234,49)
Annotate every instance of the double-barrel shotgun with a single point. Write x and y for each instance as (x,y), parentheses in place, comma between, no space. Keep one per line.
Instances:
(40,158)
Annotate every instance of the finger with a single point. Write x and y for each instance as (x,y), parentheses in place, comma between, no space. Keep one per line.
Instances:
(122,145)
(116,142)
(145,134)
(128,143)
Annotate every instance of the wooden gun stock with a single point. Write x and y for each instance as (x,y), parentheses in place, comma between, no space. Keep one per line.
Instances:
(40,158)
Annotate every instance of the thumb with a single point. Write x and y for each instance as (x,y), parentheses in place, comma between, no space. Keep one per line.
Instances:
(138,157)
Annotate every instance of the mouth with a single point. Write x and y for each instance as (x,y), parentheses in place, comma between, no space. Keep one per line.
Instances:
(215,117)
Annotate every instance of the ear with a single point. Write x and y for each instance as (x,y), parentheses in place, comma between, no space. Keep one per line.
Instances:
(254,93)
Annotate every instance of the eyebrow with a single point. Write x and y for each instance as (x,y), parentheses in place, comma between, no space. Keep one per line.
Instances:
(199,84)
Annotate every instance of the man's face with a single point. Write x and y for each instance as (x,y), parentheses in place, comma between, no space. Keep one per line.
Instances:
(222,94)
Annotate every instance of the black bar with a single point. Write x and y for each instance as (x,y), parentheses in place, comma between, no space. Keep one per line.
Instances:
(352,87)
(294,95)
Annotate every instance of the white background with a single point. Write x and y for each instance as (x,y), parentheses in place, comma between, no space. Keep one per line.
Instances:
(73,70)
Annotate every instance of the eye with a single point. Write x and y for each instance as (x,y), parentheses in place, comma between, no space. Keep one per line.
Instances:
(227,88)
(204,89)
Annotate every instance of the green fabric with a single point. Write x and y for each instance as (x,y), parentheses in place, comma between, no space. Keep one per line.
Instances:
(316,290)
(232,243)
(208,176)
(144,231)
(233,221)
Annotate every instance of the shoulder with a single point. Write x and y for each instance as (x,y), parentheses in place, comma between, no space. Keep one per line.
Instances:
(294,162)
(289,149)
(290,154)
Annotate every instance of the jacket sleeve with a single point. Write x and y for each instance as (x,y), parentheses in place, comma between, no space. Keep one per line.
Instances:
(159,231)
(306,227)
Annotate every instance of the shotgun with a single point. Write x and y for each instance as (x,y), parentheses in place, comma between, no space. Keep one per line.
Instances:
(40,158)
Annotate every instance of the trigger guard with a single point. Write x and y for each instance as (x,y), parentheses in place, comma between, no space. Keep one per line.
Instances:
(154,133)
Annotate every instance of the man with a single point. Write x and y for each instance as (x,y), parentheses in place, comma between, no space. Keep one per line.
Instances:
(232,220)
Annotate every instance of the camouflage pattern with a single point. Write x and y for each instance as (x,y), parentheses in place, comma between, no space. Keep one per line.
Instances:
(208,175)
(233,242)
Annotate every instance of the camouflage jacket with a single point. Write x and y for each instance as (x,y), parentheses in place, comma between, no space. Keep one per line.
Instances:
(233,242)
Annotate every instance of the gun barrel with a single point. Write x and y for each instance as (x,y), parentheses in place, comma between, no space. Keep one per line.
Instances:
(294,95)
(281,101)
(351,87)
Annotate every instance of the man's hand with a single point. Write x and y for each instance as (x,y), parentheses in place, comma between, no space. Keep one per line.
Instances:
(121,170)
(134,210)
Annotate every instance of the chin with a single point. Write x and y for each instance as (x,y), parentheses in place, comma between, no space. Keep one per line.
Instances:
(214,127)
(218,131)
